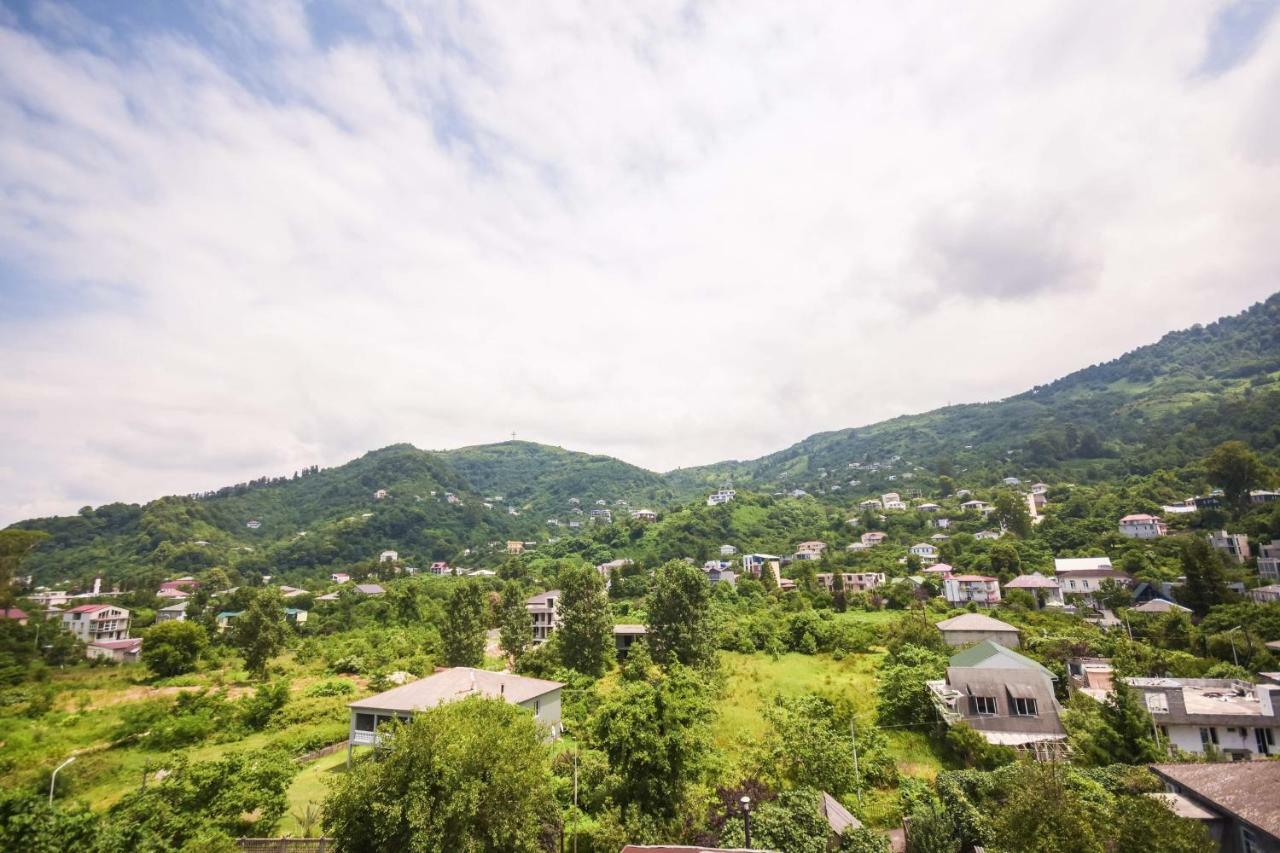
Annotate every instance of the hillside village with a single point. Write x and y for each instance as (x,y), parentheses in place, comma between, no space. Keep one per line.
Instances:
(941,633)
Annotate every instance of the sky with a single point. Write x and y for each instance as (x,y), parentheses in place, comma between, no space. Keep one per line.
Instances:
(237,239)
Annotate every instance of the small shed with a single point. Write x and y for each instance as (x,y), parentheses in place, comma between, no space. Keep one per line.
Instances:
(969,628)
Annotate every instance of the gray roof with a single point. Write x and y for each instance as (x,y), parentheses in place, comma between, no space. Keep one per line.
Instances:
(838,817)
(1159,605)
(180,607)
(1245,789)
(369,589)
(1035,580)
(630,629)
(975,622)
(1002,685)
(457,683)
(540,600)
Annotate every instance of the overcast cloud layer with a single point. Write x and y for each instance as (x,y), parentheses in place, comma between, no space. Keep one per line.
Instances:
(238,239)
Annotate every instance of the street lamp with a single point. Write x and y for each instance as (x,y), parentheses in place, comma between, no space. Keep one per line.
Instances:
(54,777)
(745,802)
(1234,656)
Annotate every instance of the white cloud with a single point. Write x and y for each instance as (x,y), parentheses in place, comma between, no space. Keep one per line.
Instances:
(672,233)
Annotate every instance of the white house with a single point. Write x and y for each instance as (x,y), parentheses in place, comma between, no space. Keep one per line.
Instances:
(1085,575)
(727,550)
(929,507)
(1142,526)
(988,535)
(340,577)
(1234,718)
(890,498)
(976,506)
(873,537)
(440,567)
(1043,588)
(544,612)
(1011,481)
(722,496)
(172,613)
(926,552)
(538,696)
(94,623)
(871,503)
(380,494)
(1039,488)
(644,515)
(962,589)
(388,557)
(1269,560)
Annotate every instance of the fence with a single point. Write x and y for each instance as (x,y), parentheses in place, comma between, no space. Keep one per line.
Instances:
(285,845)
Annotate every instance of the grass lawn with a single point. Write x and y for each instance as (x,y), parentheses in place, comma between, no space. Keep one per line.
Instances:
(310,786)
(753,680)
(869,617)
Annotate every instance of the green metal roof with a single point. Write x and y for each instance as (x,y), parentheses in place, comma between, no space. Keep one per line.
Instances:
(982,652)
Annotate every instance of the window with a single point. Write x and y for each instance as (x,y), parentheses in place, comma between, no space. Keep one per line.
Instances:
(364,722)
(984,705)
(1157,703)
(1209,736)
(1071,584)
(1024,707)
(1249,841)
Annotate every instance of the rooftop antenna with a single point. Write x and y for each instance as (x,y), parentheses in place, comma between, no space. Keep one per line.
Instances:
(513,435)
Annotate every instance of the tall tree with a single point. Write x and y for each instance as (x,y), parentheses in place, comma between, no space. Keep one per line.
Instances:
(261,632)
(1235,468)
(680,628)
(469,776)
(654,730)
(1206,583)
(839,597)
(1011,512)
(172,648)
(15,544)
(586,628)
(1127,735)
(515,627)
(462,634)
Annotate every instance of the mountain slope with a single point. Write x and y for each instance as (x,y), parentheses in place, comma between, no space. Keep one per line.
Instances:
(1162,405)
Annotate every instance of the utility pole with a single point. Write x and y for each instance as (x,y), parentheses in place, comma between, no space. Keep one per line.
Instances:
(1235,657)
(857,774)
(746,819)
(575,801)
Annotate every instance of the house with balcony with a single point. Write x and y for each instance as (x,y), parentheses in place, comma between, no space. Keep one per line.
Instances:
(721,496)
(95,623)
(728,550)
(172,613)
(1006,697)
(1142,526)
(1231,718)
(370,716)
(1269,560)
(753,563)
(960,590)
(853,581)
(544,612)
(810,550)
(1085,576)
(873,538)
(927,553)
(1047,591)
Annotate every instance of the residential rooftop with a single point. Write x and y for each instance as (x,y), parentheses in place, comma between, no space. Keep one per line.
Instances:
(1245,789)
(457,683)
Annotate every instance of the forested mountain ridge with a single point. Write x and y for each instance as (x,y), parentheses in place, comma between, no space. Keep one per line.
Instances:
(1162,406)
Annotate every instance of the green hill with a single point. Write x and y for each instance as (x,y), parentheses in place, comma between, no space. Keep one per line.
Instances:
(1161,406)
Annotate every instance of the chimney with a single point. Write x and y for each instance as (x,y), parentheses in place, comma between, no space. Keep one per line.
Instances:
(97,584)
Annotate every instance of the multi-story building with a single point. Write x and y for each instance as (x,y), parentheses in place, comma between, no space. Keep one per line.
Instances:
(723,496)
(810,550)
(545,613)
(853,581)
(979,589)
(1142,526)
(1235,544)
(1269,560)
(92,623)
(1198,715)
